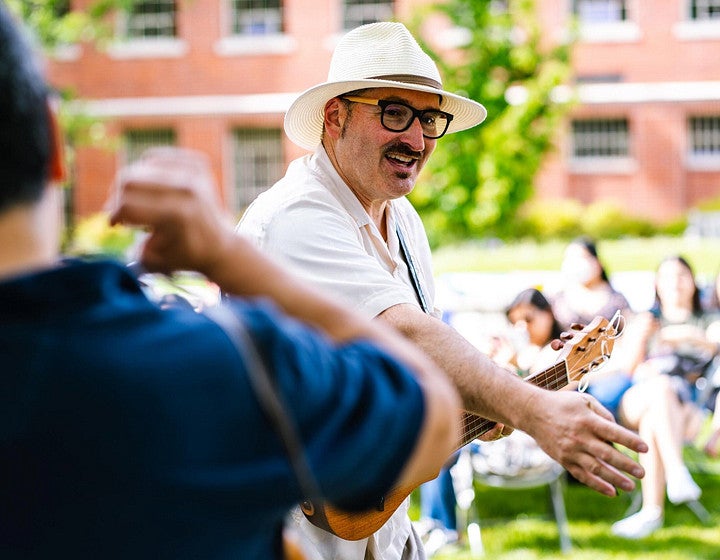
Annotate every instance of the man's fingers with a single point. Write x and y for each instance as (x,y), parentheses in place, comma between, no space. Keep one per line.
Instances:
(496,432)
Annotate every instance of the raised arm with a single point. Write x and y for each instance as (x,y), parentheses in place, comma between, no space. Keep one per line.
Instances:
(171,193)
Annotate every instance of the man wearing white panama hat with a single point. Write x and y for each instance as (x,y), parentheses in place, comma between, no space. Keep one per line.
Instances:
(340,219)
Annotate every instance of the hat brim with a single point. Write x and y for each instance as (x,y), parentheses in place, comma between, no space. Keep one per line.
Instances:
(304,118)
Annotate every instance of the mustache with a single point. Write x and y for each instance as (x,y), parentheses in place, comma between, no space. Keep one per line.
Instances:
(403,149)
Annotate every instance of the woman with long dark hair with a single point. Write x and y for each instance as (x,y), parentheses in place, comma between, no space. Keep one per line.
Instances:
(659,403)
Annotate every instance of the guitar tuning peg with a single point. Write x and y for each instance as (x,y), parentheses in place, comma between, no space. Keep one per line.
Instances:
(618,324)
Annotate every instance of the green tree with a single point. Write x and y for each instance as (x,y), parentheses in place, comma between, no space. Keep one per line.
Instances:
(477,179)
(54,23)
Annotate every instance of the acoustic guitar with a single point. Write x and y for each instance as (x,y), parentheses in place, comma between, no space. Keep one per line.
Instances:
(587,350)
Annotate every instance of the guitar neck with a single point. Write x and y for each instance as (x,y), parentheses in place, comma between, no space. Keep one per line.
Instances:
(553,378)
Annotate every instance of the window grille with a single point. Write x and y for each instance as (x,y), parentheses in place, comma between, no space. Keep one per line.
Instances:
(705,136)
(360,12)
(137,141)
(258,158)
(704,9)
(600,11)
(151,18)
(600,138)
(256,17)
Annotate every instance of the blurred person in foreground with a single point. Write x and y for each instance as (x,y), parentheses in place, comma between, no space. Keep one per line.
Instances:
(129,431)
(340,218)
(672,351)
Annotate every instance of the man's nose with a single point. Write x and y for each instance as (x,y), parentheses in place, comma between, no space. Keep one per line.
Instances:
(414,135)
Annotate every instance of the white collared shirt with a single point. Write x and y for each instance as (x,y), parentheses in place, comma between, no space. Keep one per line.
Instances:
(312,221)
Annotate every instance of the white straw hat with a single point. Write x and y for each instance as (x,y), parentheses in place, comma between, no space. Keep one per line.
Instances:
(375,55)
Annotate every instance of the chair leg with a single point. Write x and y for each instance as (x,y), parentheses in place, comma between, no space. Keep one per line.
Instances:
(699,510)
(635,503)
(474,536)
(556,493)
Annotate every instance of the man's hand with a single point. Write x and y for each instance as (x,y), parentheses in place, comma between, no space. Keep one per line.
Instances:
(578,432)
(171,192)
(498,431)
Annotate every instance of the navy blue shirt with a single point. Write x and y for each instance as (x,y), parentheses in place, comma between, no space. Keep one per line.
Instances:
(127,431)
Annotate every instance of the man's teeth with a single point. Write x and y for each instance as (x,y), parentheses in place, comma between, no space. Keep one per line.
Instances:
(403,159)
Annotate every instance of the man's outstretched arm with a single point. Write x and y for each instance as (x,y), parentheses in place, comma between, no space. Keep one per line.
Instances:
(571,427)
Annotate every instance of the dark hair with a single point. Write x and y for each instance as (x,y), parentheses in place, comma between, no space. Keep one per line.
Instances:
(25,138)
(590,246)
(534,297)
(697,308)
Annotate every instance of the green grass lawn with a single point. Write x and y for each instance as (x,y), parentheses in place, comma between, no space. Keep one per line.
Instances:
(617,255)
(519,524)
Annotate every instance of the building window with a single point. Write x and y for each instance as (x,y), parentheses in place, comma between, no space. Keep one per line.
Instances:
(256,17)
(137,141)
(705,136)
(151,18)
(600,138)
(600,11)
(702,10)
(259,163)
(360,12)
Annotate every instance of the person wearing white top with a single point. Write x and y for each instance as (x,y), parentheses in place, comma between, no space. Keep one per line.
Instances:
(340,219)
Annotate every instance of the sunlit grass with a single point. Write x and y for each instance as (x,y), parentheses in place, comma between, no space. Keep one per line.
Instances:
(617,255)
(519,525)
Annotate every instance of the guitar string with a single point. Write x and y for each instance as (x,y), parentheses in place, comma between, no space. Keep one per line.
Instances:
(553,378)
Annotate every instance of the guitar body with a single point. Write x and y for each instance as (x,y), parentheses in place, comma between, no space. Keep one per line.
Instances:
(356,525)
(585,352)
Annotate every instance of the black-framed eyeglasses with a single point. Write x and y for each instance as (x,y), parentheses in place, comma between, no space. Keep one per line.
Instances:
(397,116)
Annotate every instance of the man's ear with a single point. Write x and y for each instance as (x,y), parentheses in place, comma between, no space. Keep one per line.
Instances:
(58,172)
(335,114)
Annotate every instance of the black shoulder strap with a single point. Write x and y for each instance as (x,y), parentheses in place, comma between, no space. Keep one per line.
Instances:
(405,252)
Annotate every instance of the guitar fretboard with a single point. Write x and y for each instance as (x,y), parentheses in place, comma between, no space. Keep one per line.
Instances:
(553,378)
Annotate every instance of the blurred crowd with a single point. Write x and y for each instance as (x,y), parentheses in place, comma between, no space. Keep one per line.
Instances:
(662,378)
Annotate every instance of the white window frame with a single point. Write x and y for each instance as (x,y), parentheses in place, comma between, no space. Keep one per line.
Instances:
(130,18)
(609,31)
(689,29)
(137,140)
(258,163)
(602,163)
(707,6)
(156,46)
(707,127)
(366,11)
(269,18)
(239,44)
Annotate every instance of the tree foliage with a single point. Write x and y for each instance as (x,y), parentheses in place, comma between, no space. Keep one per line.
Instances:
(54,23)
(477,179)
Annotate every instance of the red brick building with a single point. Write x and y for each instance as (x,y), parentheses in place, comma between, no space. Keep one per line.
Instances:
(217,75)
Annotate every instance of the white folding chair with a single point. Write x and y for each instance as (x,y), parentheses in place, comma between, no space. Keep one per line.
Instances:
(512,462)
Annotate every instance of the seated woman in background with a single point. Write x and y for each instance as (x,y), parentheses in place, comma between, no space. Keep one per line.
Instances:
(587,292)
(672,348)
(528,348)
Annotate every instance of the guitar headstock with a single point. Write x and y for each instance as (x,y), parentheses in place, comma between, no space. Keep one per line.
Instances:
(590,348)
